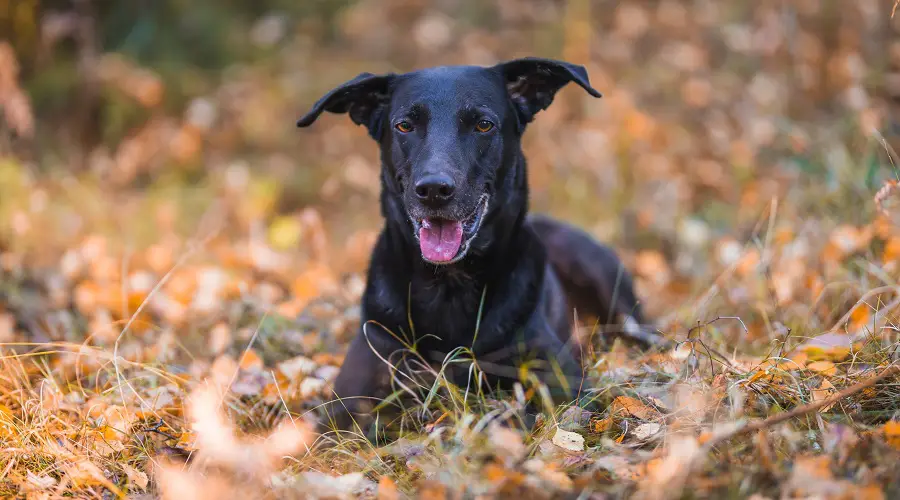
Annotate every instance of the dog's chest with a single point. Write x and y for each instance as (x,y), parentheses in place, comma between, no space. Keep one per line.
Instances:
(446,308)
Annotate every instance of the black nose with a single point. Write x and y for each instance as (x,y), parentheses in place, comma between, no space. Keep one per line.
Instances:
(435,190)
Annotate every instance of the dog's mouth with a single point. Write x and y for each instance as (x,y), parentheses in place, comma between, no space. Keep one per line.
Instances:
(445,241)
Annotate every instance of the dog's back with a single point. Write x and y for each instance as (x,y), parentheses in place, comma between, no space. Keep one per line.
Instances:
(595,281)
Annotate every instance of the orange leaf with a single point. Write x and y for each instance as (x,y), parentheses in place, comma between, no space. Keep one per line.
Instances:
(824,367)
(432,490)
(825,390)
(704,437)
(387,489)
(634,408)
(7,422)
(316,280)
(891,250)
(870,492)
(495,473)
(758,375)
(892,433)
(860,317)
(250,360)
(601,426)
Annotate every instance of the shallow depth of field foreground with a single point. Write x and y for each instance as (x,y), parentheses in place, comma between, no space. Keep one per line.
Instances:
(181,267)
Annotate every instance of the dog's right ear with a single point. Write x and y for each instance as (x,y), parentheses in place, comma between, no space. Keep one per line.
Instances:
(364,98)
(532,82)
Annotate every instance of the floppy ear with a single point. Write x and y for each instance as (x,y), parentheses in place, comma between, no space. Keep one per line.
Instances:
(532,83)
(364,98)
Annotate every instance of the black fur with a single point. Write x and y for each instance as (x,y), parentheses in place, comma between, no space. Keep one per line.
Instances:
(517,269)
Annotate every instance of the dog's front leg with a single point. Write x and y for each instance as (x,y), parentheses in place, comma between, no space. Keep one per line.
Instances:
(364,379)
(559,371)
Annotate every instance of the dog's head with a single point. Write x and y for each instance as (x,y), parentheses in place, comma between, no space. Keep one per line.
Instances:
(448,136)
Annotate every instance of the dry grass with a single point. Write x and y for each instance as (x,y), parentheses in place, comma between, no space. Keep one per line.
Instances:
(169,331)
(163,355)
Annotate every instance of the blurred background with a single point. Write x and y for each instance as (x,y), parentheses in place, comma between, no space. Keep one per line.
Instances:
(131,130)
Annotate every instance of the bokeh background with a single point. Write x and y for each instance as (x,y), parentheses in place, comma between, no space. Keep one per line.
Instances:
(159,208)
(137,126)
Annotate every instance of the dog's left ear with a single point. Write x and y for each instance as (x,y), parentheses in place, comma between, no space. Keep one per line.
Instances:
(532,83)
(364,98)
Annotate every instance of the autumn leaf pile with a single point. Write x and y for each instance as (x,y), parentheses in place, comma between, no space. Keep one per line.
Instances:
(181,269)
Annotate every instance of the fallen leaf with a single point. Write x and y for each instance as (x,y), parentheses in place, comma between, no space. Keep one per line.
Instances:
(136,477)
(826,368)
(506,440)
(7,422)
(825,390)
(860,317)
(870,492)
(633,407)
(566,440)
(835,347)
(285,232)
(287,439)
(668,474)
(891,432)
(84,472)
(431,490)
(251,361)
(176,484)
(296,367)
(549,473)
(311,386)
(324,486)
(314,281)
(220,338)
(387,489)
(645,431)
(652,265)
(40,482)
(603,425)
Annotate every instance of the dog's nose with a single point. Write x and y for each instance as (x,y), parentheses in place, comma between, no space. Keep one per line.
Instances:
(435,190)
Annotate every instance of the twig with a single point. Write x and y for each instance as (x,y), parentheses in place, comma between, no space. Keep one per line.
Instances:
(758,425)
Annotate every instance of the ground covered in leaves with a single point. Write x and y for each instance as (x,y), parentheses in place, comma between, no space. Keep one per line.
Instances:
(180,269)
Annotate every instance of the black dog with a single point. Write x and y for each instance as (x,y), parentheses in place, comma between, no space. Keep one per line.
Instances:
(458,262)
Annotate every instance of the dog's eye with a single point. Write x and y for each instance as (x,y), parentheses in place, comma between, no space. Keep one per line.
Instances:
(484,126)
(404,127)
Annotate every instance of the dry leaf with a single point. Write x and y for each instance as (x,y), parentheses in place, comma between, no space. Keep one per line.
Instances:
(891,432)
(40,482)
(220,338)
(602,425)
(178,484)
(297,367)
(322,485)
(666,478)
(289,438)
(566,440)
(251,361)
(826,368)
(136,477)
(387,489)
(634,408)
(7,422)
(84,472)
(835,347)
(825,390)
(645,431)
(285,232)
(508,441)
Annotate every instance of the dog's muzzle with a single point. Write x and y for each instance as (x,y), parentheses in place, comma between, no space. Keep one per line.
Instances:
(445,241)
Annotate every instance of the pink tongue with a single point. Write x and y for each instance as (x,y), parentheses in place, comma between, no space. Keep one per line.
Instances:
(440,239)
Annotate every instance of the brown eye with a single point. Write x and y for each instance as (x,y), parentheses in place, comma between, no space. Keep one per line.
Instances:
(404,127)
(484,126)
